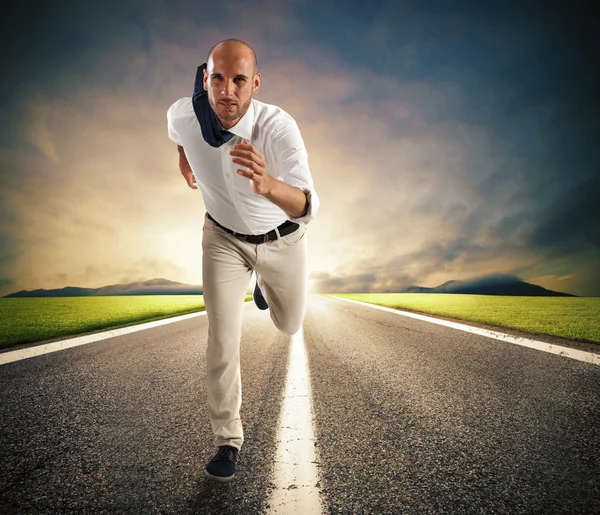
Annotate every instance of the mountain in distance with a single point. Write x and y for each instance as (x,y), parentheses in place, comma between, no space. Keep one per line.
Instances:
(490,285)
(150,287)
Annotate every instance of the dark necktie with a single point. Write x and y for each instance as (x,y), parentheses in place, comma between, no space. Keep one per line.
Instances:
(211,131)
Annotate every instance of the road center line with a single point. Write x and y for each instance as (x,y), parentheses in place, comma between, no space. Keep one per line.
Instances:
(296,475)
(580,355)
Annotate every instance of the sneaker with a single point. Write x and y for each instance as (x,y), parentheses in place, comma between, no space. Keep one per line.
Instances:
(259,300)
(222,466)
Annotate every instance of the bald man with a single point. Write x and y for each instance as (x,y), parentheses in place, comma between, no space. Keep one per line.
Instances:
(259,196)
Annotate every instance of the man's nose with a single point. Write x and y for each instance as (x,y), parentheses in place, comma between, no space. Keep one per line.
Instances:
(228,88)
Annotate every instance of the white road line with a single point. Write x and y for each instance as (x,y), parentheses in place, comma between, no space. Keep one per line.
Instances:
(580,355)
(38,350)
(296,475)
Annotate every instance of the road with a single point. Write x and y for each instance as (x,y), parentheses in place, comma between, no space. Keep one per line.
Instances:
(409,417)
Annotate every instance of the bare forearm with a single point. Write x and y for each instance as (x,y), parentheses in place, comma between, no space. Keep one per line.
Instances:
(186,169)
(183,162)
(289,198)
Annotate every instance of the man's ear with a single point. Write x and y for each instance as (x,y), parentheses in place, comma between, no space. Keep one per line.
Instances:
(204,80)
(256,84)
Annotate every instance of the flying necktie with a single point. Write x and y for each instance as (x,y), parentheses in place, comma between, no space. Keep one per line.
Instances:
(211,131)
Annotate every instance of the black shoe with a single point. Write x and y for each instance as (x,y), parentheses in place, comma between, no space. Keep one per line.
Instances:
(222,466)
(259,300)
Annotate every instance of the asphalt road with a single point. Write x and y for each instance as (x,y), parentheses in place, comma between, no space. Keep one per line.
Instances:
(410,417)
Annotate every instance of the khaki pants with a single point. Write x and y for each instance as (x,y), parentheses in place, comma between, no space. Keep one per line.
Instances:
(227,265)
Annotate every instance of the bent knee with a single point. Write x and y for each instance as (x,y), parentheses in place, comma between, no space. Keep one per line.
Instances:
(288,326)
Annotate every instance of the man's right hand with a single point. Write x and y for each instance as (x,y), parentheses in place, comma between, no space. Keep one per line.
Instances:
(185,169)
(188,175)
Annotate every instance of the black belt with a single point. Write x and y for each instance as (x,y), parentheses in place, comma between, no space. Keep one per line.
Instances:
(284,229)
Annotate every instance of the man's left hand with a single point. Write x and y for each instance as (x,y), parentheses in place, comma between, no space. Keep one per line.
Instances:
(249,156)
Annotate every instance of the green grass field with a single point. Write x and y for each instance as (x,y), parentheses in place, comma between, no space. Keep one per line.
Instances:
(576,318)
(25,320)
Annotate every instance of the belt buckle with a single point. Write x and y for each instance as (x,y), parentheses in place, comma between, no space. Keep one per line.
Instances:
(265,237)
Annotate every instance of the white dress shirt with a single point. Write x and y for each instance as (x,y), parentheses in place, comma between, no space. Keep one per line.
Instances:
(227,195)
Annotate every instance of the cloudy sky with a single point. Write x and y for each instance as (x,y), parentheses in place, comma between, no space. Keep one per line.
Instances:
(447,140)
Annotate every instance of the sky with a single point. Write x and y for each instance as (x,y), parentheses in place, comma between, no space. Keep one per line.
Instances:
(447,140)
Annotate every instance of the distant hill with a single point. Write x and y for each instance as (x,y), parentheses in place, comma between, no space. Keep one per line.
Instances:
(151,287)
(490,285)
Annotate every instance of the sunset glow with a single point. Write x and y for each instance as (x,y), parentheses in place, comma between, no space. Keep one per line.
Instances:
(430,166)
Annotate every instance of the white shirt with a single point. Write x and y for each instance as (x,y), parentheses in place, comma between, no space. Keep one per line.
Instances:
(227,195)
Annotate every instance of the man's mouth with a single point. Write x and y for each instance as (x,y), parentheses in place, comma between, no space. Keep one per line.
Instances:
(227,104)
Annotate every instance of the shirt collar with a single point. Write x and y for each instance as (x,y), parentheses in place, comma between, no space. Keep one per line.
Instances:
(244,127)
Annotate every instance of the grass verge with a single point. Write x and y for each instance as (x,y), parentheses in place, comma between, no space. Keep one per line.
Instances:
(575,318)
(27,320)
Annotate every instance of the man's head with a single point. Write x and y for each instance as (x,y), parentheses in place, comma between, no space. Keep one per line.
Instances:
(231,78)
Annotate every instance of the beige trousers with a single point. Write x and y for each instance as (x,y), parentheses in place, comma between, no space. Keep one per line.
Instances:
(227,265)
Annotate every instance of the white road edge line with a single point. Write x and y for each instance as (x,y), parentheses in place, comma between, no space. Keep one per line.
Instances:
(295,474)
(38,350)
(580,355)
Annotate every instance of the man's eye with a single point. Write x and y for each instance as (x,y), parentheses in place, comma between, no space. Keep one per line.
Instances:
(217,77)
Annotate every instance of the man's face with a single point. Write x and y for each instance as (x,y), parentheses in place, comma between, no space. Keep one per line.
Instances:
(229,83)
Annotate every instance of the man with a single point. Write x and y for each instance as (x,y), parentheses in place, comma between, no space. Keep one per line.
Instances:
(259,196)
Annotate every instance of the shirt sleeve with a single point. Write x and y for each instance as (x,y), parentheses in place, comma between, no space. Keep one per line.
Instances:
(292,160)
(170,129)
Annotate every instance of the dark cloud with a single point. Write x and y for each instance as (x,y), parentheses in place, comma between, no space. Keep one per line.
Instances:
(520,74)
(526,72)
(381,282)
(5,284)
(571,222)
(386,282)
